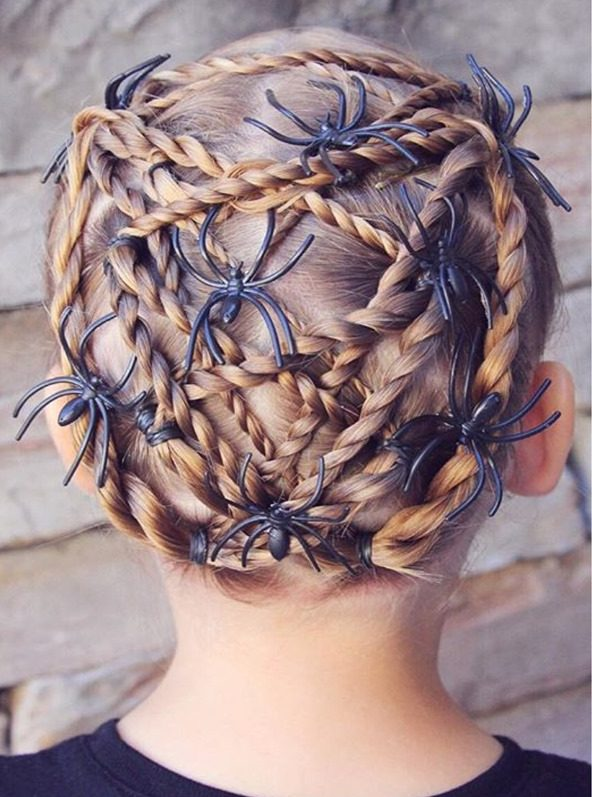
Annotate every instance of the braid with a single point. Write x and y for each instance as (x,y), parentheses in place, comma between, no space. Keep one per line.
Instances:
(248,431)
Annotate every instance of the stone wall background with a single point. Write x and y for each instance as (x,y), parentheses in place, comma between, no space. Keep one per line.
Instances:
(84,629)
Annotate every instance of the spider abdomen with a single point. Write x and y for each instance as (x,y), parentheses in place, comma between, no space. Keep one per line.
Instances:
(230,309)
(71,411)
(279,542)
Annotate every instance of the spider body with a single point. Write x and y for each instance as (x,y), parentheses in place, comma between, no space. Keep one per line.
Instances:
(335,133)
(471,425)
(500,117)
(236,287)
(118,95)
(281,523)
(90,394)
(449,274)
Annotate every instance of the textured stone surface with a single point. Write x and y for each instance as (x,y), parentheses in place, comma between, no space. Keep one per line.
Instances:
(557,724)
(79,604)
(527,528)
(47,710)
(519,632)
(571,344)
(35,505)
(58,55)
(22,208)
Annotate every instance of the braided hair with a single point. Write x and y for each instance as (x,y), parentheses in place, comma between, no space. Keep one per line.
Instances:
(232,429)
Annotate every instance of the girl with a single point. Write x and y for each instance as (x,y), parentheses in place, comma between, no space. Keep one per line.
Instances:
(301,289)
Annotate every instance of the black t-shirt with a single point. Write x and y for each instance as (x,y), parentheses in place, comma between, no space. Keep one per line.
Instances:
(101,764)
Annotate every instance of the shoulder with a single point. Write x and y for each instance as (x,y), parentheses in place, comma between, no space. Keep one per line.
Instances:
(64,769)
(552,775)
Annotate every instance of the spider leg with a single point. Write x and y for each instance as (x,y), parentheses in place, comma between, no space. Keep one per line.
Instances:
(361,109)
(452,402)
(318,488)
(250,542)
(451,232)
(275,103)
(307,550)
(41,406)
(56,380)
(57,163)
(394,143)
(92,422)
(264,247)
(411,207)
(329,165)
(242,475)
(483,281)
(467,382)
(211,341)
(368,129)
(543,181)
(134,402)
(230,533)
(124,379)
(300,142)
(403,238)
(203,243)
(484,88)
(497,482)
(441,290)
(186,265)
(526,108)
(478,487)
(420,458)
(545,384)
(341,113)
(78,366)
(112,98)
(267,319)
(507,97)
(105,443)
(291,262)
(210,302)
(512,438)
(86,337)
(308,152)
(335,555)
(528,153)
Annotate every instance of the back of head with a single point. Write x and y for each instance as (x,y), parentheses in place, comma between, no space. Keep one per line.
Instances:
(276,439)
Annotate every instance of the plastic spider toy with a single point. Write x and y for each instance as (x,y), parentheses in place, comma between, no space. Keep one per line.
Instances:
(501,120)
(91,395)
(281,524)
(116,98)
(336,134)
(471,425)
(235,287)
(449,274)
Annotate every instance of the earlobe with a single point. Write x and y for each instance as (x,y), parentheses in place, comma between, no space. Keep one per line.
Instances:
(538,461)
(64,442)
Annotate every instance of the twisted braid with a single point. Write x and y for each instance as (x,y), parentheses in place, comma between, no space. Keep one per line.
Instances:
(372,346)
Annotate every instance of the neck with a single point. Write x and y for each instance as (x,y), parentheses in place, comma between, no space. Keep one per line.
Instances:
(315,689)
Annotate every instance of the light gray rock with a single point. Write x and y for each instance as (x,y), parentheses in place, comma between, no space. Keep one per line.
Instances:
(49,709)
(529,528)
(534,41)
(557,724)
(34,504)
(22,213)
(79,604)
(518,633)
(571,343)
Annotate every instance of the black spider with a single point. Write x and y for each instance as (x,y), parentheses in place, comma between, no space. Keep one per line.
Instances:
(471,425)
(443,268)
(91,394)
(501,120)
(118,95)
(281,523)
(235,287)
(336,134)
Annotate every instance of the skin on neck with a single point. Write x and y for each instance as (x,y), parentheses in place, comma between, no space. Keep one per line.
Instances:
(339,697)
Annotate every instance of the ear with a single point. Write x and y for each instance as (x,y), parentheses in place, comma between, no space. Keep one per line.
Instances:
(539,460)
(65,444)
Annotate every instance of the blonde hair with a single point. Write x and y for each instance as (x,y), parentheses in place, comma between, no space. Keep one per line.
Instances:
(370,352)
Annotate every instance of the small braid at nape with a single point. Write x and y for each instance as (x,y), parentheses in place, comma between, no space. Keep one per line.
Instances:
(300,249)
